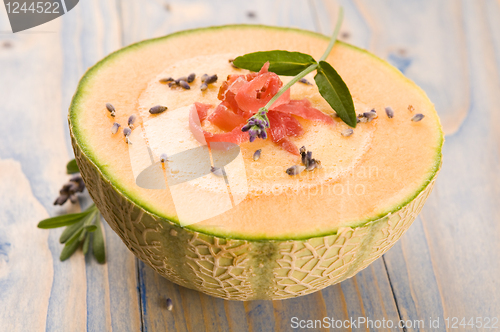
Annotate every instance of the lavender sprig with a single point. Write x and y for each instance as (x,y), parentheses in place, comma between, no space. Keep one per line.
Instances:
(257,124)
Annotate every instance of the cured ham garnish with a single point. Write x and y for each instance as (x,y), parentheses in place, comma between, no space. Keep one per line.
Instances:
(197,114)
(241,97)
(304,109)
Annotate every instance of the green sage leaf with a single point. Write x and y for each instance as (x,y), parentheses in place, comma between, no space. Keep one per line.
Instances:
(86,244)
(82,235)
(280,62)
(70,246)
(98,243)
(89,220)
(64,220)
(70,230)
(75,237)
(335,91)
(90,228)
(72,167)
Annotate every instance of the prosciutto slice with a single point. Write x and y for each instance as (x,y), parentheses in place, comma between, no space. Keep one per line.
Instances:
(241,97)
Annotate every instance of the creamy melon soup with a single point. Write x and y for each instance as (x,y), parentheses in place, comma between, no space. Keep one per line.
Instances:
(360,169)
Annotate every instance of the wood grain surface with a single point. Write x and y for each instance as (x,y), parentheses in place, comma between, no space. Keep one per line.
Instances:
(447,265)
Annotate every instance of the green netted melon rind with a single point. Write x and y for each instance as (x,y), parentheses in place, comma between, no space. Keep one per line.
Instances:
(241,269)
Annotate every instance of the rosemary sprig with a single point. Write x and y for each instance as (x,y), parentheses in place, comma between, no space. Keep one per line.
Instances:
(330,85)
(82,228)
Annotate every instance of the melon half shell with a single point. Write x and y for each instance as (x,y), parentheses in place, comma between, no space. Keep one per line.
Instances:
(269,247)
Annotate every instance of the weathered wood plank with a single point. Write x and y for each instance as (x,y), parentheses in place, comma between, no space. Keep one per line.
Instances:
(412,277)
(25,258)
(461,219)
(151,18)
(35,115)
(40,71)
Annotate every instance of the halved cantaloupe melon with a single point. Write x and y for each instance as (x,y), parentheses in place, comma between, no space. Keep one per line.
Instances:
(288,235)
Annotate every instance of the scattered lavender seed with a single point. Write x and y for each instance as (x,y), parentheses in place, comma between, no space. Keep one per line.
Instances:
(183,78)
(216,170)
(115,128)
(311,165)
(211,79)
(184,85)
(204,77)
(128,140)
(163,158)
(417,117)
(361,118)
(303,80)
(131,121)
(191,77)
(111,109)
(127,132)
(166,80)
(157,109)
(170,304)
(295,170)
(389,111)
(203,86)
(256,155)
(347,132)
(303,154)
(172,84)
(308,158)
(345,35)
(370,115)
(411,108)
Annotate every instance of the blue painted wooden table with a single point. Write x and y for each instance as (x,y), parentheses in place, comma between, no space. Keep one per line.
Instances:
(447,265)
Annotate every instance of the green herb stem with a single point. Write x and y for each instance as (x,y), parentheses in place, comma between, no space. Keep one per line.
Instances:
(287,86)
(311,67)
(336,31)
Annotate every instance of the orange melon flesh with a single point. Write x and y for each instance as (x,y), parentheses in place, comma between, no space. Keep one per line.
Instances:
(383,166)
